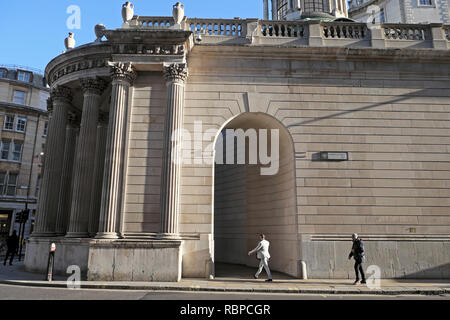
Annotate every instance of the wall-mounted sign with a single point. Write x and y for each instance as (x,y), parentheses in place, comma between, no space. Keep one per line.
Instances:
(333,156)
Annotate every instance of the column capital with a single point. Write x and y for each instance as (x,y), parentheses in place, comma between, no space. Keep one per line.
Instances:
(93,85)
(176,72)
(122,72)
(49,106)
(61,93)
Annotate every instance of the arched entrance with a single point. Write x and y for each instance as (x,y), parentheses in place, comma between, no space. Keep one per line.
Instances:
(249,201)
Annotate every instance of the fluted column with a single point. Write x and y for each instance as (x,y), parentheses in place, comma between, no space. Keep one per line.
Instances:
(175,75)
(63,215)
(266,9)
(84,161)
(123,76)
(61,98)
(97,182)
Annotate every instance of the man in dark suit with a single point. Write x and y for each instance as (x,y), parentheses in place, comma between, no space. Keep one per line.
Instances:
(12,243)
(358,254)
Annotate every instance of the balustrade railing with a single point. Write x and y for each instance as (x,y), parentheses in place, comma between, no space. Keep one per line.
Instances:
(344,30)
(332,33)
(282,29)
(217,27)
(406,32)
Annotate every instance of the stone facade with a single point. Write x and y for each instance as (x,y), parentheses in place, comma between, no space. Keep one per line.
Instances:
(394,11)
(168,212)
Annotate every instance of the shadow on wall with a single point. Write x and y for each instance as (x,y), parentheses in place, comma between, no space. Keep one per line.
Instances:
(435,273)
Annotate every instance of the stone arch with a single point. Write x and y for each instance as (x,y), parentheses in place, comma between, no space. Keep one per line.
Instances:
(247,203)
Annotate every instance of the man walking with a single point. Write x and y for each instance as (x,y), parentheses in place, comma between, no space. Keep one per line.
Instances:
(358,254)
(262,253)
(12,243)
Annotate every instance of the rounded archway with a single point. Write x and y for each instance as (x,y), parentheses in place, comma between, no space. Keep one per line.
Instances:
(252,198)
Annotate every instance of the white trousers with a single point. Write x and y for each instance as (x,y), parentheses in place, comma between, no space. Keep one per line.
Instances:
(263,263)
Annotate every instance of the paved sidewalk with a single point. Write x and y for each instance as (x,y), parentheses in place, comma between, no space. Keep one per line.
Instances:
(16,275)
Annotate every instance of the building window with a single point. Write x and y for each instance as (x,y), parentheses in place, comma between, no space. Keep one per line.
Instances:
(45,128)
(5,149)
(24,76)
(9,122)
(19,97)
(2,182)
(21,124)
(12,184)
(426,2)
(382,16)
(282,9)
(17,152)
(3,73)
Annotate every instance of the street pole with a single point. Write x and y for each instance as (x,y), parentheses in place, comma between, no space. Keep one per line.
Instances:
(23,222)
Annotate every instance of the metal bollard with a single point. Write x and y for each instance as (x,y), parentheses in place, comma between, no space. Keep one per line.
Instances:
(51,262)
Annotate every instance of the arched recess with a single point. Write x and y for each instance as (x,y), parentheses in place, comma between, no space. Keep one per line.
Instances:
(247,203)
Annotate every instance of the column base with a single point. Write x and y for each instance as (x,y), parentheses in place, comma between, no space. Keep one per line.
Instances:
(43,235)
(77,235)
(168,236)
(107,235)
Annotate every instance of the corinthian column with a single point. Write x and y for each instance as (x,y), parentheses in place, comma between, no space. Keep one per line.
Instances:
(97,177)
(61,98)
(84,161)
(123,76)
(66,176)
(175,75)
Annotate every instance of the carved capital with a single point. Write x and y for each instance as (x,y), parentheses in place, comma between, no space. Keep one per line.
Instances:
(176,72)
(93,85)
(61,93)
(122,72)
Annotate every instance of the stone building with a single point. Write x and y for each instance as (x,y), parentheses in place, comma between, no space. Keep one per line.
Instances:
(358,121)
(23,125)
(304,9)
(396,11)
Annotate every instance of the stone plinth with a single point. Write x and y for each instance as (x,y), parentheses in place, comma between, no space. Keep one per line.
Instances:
(129,260)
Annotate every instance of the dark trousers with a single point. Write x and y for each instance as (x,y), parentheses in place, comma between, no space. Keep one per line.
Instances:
(358,266)
(12,253)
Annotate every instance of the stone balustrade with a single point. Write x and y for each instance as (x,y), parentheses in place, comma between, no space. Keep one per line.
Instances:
(217,27)
(312,33)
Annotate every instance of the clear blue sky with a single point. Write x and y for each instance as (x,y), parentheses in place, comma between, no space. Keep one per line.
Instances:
(32,32)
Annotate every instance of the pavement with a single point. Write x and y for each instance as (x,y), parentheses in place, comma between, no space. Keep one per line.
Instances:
(238,279)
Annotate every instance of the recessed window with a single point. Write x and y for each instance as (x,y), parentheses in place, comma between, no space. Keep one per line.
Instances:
(426,2)
(21,124)
(24,76)
(3,73)
(2,182)
(9,122)
(45,128)
(19,97)
(5,150)
(17,151)
(12,184)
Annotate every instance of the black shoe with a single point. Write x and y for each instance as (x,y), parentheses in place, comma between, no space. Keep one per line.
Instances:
(255,277)
(269,280)
(363,282)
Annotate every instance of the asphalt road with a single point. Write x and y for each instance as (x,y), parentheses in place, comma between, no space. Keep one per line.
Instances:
(12,292)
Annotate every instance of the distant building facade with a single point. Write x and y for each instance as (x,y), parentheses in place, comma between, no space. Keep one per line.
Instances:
(400,11)
(303,9)
(23,128)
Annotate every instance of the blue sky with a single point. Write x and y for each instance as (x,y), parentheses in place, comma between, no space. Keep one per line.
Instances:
(32,32)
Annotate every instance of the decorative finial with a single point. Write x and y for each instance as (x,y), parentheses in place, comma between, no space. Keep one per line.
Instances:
(127,12)
(69,42)
(99,32)
(178,12)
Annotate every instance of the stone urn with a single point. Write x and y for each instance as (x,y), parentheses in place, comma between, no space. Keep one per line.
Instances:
(69,42)
(99,31)
(127,11)
(178,12)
